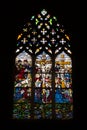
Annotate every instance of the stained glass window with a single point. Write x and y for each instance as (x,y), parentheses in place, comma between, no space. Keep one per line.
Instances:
(43,70)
